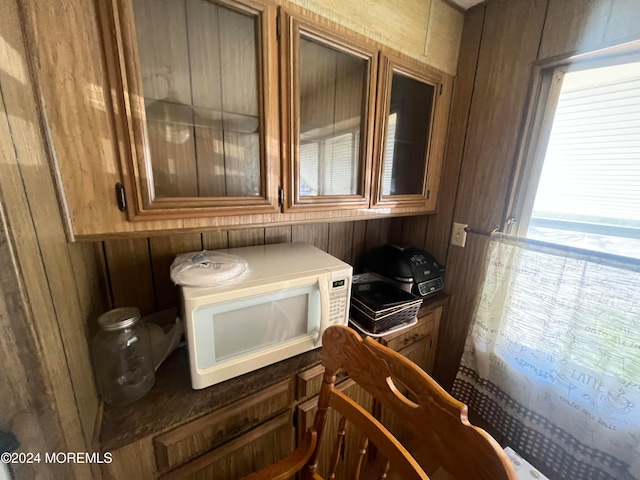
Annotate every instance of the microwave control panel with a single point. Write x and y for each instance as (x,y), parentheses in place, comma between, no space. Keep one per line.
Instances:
(338,301)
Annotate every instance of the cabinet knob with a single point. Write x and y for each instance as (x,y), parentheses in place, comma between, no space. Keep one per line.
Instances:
(413,338)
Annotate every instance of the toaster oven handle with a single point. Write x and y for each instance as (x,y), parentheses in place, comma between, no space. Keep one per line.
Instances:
(323,284)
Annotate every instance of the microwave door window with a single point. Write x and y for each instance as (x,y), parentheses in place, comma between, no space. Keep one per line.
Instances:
(249,325)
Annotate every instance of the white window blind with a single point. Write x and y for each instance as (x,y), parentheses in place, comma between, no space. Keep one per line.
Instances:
(341,155)
(389,152)
(309,153)
(590,181)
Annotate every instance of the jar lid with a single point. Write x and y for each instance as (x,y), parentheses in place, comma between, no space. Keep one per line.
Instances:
(119,318)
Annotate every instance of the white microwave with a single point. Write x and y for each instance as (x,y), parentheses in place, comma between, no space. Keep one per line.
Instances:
(292,293)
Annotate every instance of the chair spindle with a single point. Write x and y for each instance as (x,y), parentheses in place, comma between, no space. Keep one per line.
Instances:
(337,448)
(362,451)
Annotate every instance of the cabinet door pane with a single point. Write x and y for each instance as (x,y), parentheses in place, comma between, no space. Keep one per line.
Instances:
(199,70)
(332,98)
(407,136)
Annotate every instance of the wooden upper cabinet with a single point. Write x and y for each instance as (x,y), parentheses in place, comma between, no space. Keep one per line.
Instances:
(167,116)
(196,88)
(409,147)
(328,82)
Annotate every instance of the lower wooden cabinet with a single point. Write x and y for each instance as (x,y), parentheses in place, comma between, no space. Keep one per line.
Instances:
(188,441)
(262,428)
(418,342)
(257,448)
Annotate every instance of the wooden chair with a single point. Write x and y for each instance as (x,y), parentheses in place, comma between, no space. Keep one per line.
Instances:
(438,421)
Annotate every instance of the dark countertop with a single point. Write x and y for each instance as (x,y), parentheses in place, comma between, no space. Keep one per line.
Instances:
(172,402)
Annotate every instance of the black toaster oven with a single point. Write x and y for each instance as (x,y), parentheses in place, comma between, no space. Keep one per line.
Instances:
(412,269)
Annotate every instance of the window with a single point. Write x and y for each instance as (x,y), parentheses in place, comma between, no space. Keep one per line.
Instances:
(580,183)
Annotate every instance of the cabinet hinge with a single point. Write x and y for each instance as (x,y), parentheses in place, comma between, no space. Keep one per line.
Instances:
(280,196)
(120,197)
(440,89)
(428,193)
(278,25)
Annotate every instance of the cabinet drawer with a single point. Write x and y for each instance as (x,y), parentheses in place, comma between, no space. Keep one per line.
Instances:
(256,449)
(308,382)
(405,338)
(192,439)
(420,353)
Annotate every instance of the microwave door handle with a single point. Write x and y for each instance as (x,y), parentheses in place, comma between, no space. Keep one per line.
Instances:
(323,284)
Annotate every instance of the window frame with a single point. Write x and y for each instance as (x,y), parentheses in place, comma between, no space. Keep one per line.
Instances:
(545,86)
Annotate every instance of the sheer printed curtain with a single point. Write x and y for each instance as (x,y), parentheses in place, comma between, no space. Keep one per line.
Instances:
(552,359)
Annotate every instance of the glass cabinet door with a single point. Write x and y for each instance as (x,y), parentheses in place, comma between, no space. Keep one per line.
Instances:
(199,79)
(329,111)
(405,118)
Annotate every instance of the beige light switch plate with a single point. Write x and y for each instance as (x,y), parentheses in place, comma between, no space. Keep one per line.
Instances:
(458,234)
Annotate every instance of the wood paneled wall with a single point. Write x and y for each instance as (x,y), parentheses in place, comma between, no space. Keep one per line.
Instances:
(138,269)
(501,41)
(48,288)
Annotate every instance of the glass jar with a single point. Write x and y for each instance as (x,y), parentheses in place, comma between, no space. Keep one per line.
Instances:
(122,356)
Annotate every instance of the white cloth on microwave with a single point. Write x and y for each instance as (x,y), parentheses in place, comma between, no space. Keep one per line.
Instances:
(207,269)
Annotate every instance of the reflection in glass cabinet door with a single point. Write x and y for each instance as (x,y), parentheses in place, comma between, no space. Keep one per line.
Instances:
(407,136)
(405,118)
(198,77)
(329,109)
(331,96)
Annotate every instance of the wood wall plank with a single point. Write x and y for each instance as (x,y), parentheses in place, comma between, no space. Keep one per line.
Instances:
(340,240)
(246,238)
(316,234)
(49,399)
(414,230)
(129,266)
(87,261)
(28,403)
(510,38)
(439,231)
(391,231)
(277,234)
(358,244)
(372,234)
(215,240)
